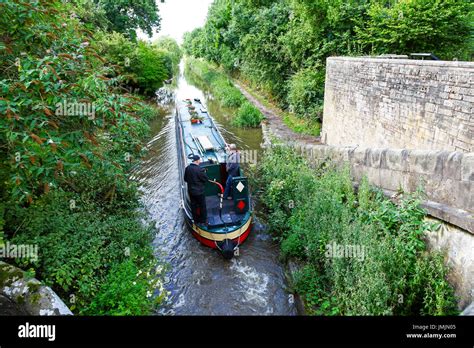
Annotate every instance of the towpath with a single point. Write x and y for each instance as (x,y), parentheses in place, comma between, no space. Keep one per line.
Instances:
(274,120)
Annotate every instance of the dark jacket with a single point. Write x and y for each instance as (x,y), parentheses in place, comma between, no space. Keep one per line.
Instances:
(196,178)
(233,164)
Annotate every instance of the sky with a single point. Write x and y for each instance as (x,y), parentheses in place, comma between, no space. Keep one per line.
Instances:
(178,17)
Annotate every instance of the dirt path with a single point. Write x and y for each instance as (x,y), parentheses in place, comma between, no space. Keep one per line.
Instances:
(274,121)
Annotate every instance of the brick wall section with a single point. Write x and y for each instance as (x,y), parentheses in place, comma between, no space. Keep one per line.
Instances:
(399,103)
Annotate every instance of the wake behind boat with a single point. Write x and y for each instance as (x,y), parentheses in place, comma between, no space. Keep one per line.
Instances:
(228,221)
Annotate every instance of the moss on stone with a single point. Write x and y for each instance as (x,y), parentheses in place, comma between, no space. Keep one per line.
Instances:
(8,273)
(34,298)
(33,286)
(20,299)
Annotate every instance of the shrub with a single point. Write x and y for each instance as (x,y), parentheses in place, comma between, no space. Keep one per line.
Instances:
(441,27)
(79,244)
(171,47)
(306,93)
(151,67)
(247,116)
(127,291)
(143,66)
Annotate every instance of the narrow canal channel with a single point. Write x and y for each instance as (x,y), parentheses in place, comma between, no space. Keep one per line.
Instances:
(200,281)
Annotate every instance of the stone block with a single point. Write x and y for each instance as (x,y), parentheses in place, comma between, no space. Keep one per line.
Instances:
(467,167)
(373,158)
(452,165)
(397,159)
(390,179)
(426,162)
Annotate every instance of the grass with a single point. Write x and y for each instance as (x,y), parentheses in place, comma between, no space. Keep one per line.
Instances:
(302,126)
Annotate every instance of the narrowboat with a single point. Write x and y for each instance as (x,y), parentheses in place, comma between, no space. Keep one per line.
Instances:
(228,221)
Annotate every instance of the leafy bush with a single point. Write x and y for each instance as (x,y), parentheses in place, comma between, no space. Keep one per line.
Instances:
(143,66)
(122,16)
(306,93)
(117,50)
(172,49)
(127,291)
(40,81)
(151,67)
(247,116)
(81,238)
(226,93)
(311,210)
(440,27)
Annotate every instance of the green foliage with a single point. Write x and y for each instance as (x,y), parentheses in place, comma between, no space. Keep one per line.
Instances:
(144,66)
(92,13)
(122,16)
(247,116)
(192,43)
(312,211)
(302,125)
(264,59)
(171,47)
(40,81)
(442,27)
(225,92)
(127,291)
(63,170)
(317,297)
(80,243)
(150,67)
(281,46)
(306,93)
(117,50)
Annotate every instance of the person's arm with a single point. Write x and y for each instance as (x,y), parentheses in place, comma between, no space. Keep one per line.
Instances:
(203,175)
(186,174)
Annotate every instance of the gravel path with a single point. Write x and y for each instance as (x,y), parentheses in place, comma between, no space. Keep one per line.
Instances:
(275,123)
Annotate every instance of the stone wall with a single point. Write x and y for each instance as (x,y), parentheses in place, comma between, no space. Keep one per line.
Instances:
(458,246)
(399,103)
(447,178)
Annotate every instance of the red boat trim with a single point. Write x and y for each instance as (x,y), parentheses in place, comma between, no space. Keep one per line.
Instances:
(212,244)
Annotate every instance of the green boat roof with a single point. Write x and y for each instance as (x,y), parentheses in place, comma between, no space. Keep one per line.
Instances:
(203,139)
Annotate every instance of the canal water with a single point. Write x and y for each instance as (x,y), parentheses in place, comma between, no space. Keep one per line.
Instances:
(199,280)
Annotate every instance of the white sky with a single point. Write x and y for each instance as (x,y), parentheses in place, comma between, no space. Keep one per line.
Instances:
(178,17)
